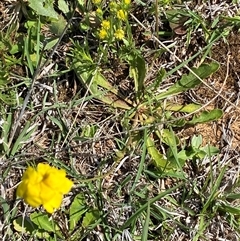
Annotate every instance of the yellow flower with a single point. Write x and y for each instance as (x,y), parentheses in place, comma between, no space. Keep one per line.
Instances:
(45,186)
(121,15)
(119,34)
(96,1)
(105,24)
(102,33)
(99,11)
(127,2)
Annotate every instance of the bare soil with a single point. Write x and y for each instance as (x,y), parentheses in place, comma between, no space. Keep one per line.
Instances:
(226,83)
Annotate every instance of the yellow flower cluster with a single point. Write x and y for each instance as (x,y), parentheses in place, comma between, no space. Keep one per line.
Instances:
(119,34)
(45,186)
(121,15)
(105,24)
(113,28)
(102,33)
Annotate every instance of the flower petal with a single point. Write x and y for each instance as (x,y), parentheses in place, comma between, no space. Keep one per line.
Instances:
(53,203)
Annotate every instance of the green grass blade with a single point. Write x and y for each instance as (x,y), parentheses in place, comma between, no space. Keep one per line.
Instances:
(146,224)
(144,207)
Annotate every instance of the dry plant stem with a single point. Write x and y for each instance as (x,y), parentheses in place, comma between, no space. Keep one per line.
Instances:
(156,16)
(180,61)
(34,78)
(116,165)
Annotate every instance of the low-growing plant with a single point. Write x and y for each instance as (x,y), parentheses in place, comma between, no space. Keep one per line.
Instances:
(149,108)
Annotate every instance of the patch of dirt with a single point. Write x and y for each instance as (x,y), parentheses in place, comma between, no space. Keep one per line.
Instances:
(225,84)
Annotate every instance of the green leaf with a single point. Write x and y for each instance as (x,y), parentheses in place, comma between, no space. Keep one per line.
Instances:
(43,8)
(89,131)
(182,108)
(23,137)
(160,76)
(62,5)
(233,196)
(196,141)
(42,221)
(183,155)
(206,116)
(57,26)
(59,122)
(210,150)
(159,161)
(77,209)
(140,210)
(90,218)
(190,81)
(214,191)
(95,82)
(146,224)
(138,72)
(5,208)
(9,99)
(52,42)
(230,209)
(26,226)
(169,138)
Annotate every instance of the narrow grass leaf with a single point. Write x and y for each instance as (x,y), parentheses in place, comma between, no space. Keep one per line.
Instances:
(144,206)
(233,196)
(23,137)
(230,209)
(146,224)
(59,123)
(37,47)
(141,165)
(27,51)
(214,192)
